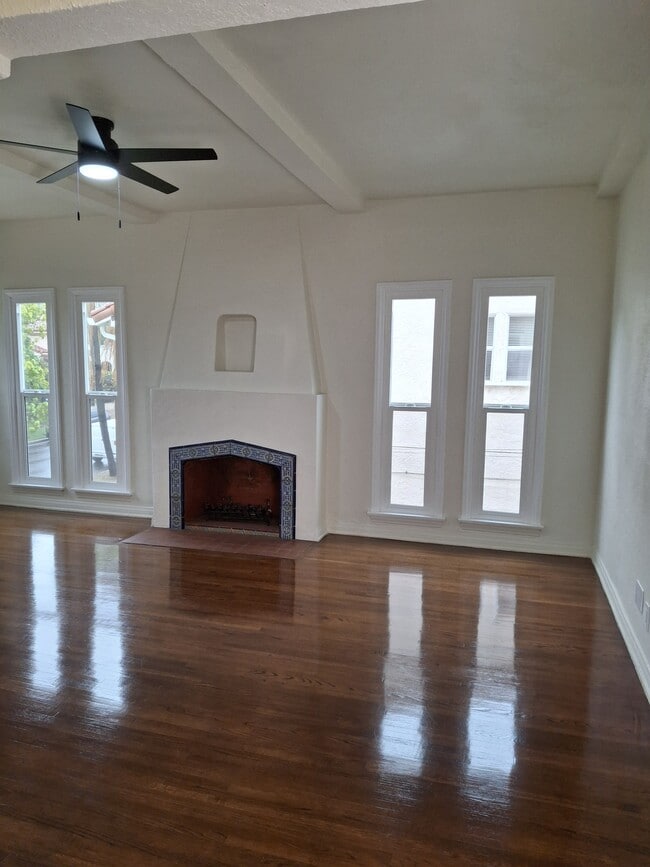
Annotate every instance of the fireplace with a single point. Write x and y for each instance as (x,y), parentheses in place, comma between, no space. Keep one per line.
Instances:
(232,486)
(200,423)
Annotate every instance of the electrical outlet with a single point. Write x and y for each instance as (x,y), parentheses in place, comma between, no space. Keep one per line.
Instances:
(646,614)
(639,596)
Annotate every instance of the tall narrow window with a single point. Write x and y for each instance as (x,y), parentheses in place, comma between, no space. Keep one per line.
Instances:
(36,454)
(507,397)
(411,377)
(100,382)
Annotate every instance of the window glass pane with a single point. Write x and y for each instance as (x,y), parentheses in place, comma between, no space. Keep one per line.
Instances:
(408,458)
(37,424)
(35,459)
(101,375)
(32,331)
(504,441)
(102,439)
(521,331)
(99,341)
(411,351)
(519,364)
(508,357)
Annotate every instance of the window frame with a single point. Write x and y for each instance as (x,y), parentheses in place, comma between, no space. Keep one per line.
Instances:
(83,481)
(535,416)
(381,507)
(19,458)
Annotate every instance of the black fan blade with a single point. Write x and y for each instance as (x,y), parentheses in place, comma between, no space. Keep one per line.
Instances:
(58,176)
(149,180)
(24,144)
(83,122)
(165,155)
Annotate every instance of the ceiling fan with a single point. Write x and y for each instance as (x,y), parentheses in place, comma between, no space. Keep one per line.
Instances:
(99,157)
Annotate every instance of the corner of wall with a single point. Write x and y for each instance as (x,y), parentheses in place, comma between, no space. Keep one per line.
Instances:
(639,659)
(621,549)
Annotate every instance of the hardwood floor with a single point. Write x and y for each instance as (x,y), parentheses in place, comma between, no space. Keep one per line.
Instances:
(371,703)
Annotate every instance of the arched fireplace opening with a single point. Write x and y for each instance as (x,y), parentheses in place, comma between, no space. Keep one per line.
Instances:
(232,487)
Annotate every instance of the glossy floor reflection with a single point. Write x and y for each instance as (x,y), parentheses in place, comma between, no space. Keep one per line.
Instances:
(491,730)
(371,703)
(46,628)
(401,741)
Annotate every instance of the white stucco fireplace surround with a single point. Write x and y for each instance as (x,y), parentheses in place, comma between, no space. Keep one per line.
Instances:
(291,423)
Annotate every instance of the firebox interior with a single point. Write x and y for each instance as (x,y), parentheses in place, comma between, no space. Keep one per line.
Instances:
(231,492)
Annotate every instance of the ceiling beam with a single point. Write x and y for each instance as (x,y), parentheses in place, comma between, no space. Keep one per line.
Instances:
(205,62)
(31,27)
(87,192)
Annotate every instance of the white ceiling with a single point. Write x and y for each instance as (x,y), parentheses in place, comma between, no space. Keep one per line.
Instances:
(441,96)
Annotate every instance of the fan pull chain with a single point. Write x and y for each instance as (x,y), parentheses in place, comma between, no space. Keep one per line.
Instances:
(78,204)
(119,204)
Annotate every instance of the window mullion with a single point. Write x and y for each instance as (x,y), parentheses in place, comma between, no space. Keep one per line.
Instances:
(429,462)
(388,451)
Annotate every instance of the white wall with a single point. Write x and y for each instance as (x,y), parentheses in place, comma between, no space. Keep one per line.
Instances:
(623,542)
(242,262)
(567,234)
(339,258)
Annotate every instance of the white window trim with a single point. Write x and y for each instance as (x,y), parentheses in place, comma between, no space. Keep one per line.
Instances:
(83,482)
(19,456)
(529,515)
(381,507)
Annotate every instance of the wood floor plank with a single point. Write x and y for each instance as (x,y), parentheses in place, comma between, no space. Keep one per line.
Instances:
(369,703)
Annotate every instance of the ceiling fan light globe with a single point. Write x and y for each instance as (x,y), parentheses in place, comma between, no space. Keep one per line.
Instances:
(98,172)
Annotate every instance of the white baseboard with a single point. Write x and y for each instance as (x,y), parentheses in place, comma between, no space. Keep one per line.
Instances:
(639,658)
(464,538)
(123,509)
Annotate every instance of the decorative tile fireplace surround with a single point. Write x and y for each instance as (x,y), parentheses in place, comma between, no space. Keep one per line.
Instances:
(191,423)
(282,518)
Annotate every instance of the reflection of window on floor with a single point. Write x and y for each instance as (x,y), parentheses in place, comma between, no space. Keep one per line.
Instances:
(46,639)
(401,741)
(408,456)
(491,719)
(107,641)
(507,400)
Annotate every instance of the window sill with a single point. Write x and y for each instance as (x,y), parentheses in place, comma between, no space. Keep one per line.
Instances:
(39,486)
(407,518)
(92,492)
(509,526)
